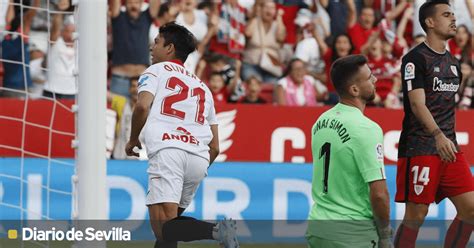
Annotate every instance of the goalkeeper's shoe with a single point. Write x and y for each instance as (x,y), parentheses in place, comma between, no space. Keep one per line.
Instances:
(227,233)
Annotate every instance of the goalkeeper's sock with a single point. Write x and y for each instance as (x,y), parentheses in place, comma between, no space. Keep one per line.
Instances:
(185,228)
(405,237)
(458,234)
(164,244)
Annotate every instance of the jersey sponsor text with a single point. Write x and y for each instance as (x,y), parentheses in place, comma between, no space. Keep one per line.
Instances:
(438,85)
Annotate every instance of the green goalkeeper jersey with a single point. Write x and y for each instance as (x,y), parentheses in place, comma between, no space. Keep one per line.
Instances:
(347,155)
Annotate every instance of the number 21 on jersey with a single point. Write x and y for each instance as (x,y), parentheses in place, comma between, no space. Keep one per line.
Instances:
(167,104)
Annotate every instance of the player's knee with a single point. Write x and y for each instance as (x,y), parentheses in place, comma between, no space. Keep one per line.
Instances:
(415,214)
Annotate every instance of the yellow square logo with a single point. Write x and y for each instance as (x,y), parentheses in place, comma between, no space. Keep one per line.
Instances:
(12,234)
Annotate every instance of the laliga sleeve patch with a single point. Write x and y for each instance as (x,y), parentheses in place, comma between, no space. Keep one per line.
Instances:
(379,152)
(142,80)
(409,71)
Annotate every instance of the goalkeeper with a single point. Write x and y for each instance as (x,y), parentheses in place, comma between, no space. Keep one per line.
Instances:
(351,206)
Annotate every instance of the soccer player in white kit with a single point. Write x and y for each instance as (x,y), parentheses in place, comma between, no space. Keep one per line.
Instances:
(176,110)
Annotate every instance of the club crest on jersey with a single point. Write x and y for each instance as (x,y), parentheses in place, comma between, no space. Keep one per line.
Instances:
(409,71)
(418,189)
(379,152)
(454,70)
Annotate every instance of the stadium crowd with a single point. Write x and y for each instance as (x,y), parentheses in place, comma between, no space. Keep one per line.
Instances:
(250,51)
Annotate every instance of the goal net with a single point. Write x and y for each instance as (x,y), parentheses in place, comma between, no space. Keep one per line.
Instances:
(52,117)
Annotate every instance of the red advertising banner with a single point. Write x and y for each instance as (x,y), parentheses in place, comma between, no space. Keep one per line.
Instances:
(258,133)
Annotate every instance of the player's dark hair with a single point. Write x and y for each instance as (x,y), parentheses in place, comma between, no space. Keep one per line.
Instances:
(343,71)
(427,10)
(184,41)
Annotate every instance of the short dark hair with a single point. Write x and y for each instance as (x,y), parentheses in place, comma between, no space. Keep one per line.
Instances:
(344,69)
(428,10)
(184,41)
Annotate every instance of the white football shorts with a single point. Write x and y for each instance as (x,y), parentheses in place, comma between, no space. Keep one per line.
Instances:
(174,176)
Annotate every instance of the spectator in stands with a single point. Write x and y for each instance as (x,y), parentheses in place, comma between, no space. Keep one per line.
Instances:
(465,100)
(405,39)
(460,46)
(297,88)
(253,87)
(39,41)
(222,91)
(307,48)
(220,64)
(265,35)
(124,108)
(201,27)
(6,15)
(61,81)
(131,53)
(193,19)
(385,69)
(228,38)
(39,45)
(338,12)
(17,78)
(340,47)
(360,31)
(167,13)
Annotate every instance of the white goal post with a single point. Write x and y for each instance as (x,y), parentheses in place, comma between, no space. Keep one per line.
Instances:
(91,150)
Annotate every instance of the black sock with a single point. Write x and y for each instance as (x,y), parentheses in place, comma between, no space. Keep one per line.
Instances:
(185,228)
(164,244)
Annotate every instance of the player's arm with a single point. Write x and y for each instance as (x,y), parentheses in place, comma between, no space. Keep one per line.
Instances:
(114,7)
(214,144)
(446,148)
(369,159)
(147,88)
(380,201)
(139,116)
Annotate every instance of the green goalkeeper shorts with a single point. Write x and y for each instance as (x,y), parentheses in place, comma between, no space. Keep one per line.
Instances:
(317,242)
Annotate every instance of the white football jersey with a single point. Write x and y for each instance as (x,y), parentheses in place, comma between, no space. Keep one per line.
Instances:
(182,111)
